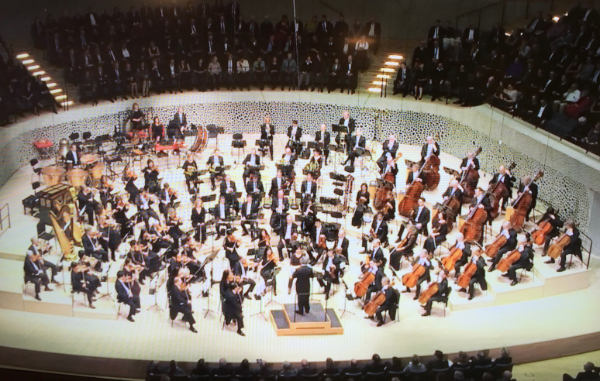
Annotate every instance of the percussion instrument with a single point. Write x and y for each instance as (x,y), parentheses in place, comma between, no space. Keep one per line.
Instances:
(89,159)
(77,177)
(96,171)
(53,175)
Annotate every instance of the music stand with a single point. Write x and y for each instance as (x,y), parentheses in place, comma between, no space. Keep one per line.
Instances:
(276,271)
(213,133)
(107,294)
(208,259)
(344,310)
(156,289)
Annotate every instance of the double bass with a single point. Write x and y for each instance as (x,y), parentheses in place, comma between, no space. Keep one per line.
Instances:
(499,191)
(411,198)
(472,229)
(469,179)
(431,172)
(522,204)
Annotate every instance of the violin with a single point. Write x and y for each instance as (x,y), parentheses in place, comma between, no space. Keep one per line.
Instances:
(542,231)
(508,261)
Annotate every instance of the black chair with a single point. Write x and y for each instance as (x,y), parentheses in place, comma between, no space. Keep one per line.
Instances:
(420,375)
(478,370)
(36,170)
(374,376)
(445,300)
(181,377)
(32,201)
(402,375)
(501,368)
(435,372)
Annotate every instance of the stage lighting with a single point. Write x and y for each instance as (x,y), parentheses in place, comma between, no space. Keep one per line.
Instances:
(385,76)
(27,62)
(59,97)
(22,56)
(395,57)
(379,83)
(387,70)
(41,72)
(50,85)
(33,67)
(392,63)
(55,91)
(374,89)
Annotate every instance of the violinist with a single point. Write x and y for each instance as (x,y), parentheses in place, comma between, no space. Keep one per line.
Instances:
(267,132)
(168,199)
(231,244)
(228,190)
(390,147)
(106,188)
(265,238)
(277,184)
(465,247)
(388,166)
(309,213)
(470,162)
(83,281)
(157,130)
(110,236)
(440,295)
(174,223)
(199,220)
(323,137)
(129,178)
(181,302)
(414,171)
(279,207)
(479,276)
(342,243)
(317,161)
(421,217)
(437,235)
(511,243)
(525,260)
(144,202)
(356,148)
(254,187)
(232,306)
(249,214)
(379,230)
(363,198)
(121,212)
(294,134)
(36,274)
(424,261)
(221,214)
(504,176)
(151,177)
(333,271)
(87,203)
(288,159)
(190,170)
(216,166)
(40,248)
(267,267)
(454,191)
(252,163)
(303,276)
(573,248)
(532,188)
(287,230)
(92,246)
(431,147)
(125,295)
(404,248)
(241,270)
(156,237)
(552,217)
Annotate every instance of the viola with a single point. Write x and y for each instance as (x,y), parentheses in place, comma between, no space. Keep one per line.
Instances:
(492,249)
(427,294)
(557,248)
(449,261)
(464,278)
(410,279)
(508,261)
(542,231)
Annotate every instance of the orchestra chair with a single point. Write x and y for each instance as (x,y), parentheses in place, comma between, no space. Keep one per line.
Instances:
(375,376)
(445,301)
(478,370)
(312,377)
(26,283)
(524,270)
(421,375)
(32,201)
(501,368)
(36,170)
(445,371)
(402,375)
(238,144)
(75,292)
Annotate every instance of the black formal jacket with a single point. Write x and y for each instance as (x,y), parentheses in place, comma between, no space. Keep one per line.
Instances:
(392,151)
(298,135)
(391,299)
(181,122)
(345,245)
(534,192)
(424,150)
(71,159)
(485,201)
(223,188)
(424,218)
(377,255)
(249,157)
(122,295)
(275,204)
(442,288)
(508,181)
(457,193)
(313,188)
(30,270)
(274,187)
(351,122)
(327,137)
(179,301)
(303,275)
(198,217)
(250,187)
(211,160)
(253,208)
(464,162)
(382,232)
(264,134)
(217,211)
(87,244)
(283,229)
(361,143)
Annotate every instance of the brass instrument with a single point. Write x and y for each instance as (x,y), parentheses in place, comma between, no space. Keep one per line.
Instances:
(347,193)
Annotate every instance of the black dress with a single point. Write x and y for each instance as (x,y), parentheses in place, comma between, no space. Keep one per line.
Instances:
(136,126)
(431,244)
(360,208)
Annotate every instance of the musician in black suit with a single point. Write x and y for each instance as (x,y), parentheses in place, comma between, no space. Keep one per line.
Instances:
(180,119)
(267,132)
(198,219)
(38,248)
(125,295)
(228,190)
(532,188)
(73,158)
(144,203)
(377,253)
(190,170)
(406,250)
(421,217)
(350,124)
(525,260)
(431,147)
(403,81)
(349,76)
(221,213)
(241,269)
(279,207)
(294,132)
(356,147)
(255,187)
(181,303)
(469,161)
(277,183)
(440,295)
(377,284)
(454,190)
(392,298)
(388,166)
(309,188)
(232,308)
(216,160)
(342,243)
(252,161)
(323,136)
(91,246)
(479,276)
(303,276)
(414,170)
(333,269)
(466,253)
(287,231)
(35,274)
(87,203)
(83,281)
(424,261)
(552,217)
(379,229)
(390,147)
(511,243)
(573,248)
(249,214)
(505,177)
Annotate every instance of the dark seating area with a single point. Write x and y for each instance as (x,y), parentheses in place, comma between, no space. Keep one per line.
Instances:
(546,73)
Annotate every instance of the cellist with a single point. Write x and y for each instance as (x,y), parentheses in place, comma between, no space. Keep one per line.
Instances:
(388,167)
(379,230)
(423,260)
(532,188)
(431,147)
(466,253)
(404,248)
(390,304)
(441,293)
(454,190)
(511,243)
(377,285)
(552,217)
(573,248)
(508,179)
(525,261)
(479,276)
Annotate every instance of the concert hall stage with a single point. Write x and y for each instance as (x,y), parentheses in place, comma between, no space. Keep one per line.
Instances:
(548,314)
(318,321)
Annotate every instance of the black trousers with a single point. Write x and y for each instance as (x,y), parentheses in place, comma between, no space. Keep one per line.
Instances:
(481,281)
(431,300)
(250,282)
(512,271)
(239,319)
(132,306)
(38,280)
(381,310)
(304,303)
(146,214)
(499,255)
(424,278)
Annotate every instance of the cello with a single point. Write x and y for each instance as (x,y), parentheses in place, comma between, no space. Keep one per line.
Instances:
(472,229)
(410,280)
(411,198)
(557,247)
(427,294)
(542,231)
(492,249)
(464,278)
(376,301)
(499,191)
(508,261)
(361,287)
(522,204)
(469,180)
(450,260)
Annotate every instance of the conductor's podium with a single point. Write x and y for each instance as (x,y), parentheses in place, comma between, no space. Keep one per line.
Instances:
(318,322)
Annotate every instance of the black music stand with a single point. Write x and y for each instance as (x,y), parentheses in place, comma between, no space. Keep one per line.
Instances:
(208,260)
(276,271)
(213,133)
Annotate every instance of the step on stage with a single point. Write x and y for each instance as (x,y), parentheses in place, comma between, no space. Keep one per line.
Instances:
(317,322)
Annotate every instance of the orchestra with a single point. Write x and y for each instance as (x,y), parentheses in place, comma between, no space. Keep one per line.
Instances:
(145,225)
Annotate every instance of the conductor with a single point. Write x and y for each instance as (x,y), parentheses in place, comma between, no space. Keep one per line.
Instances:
(303,275)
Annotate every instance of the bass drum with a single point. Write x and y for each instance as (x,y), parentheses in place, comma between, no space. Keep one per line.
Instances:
(201,140)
